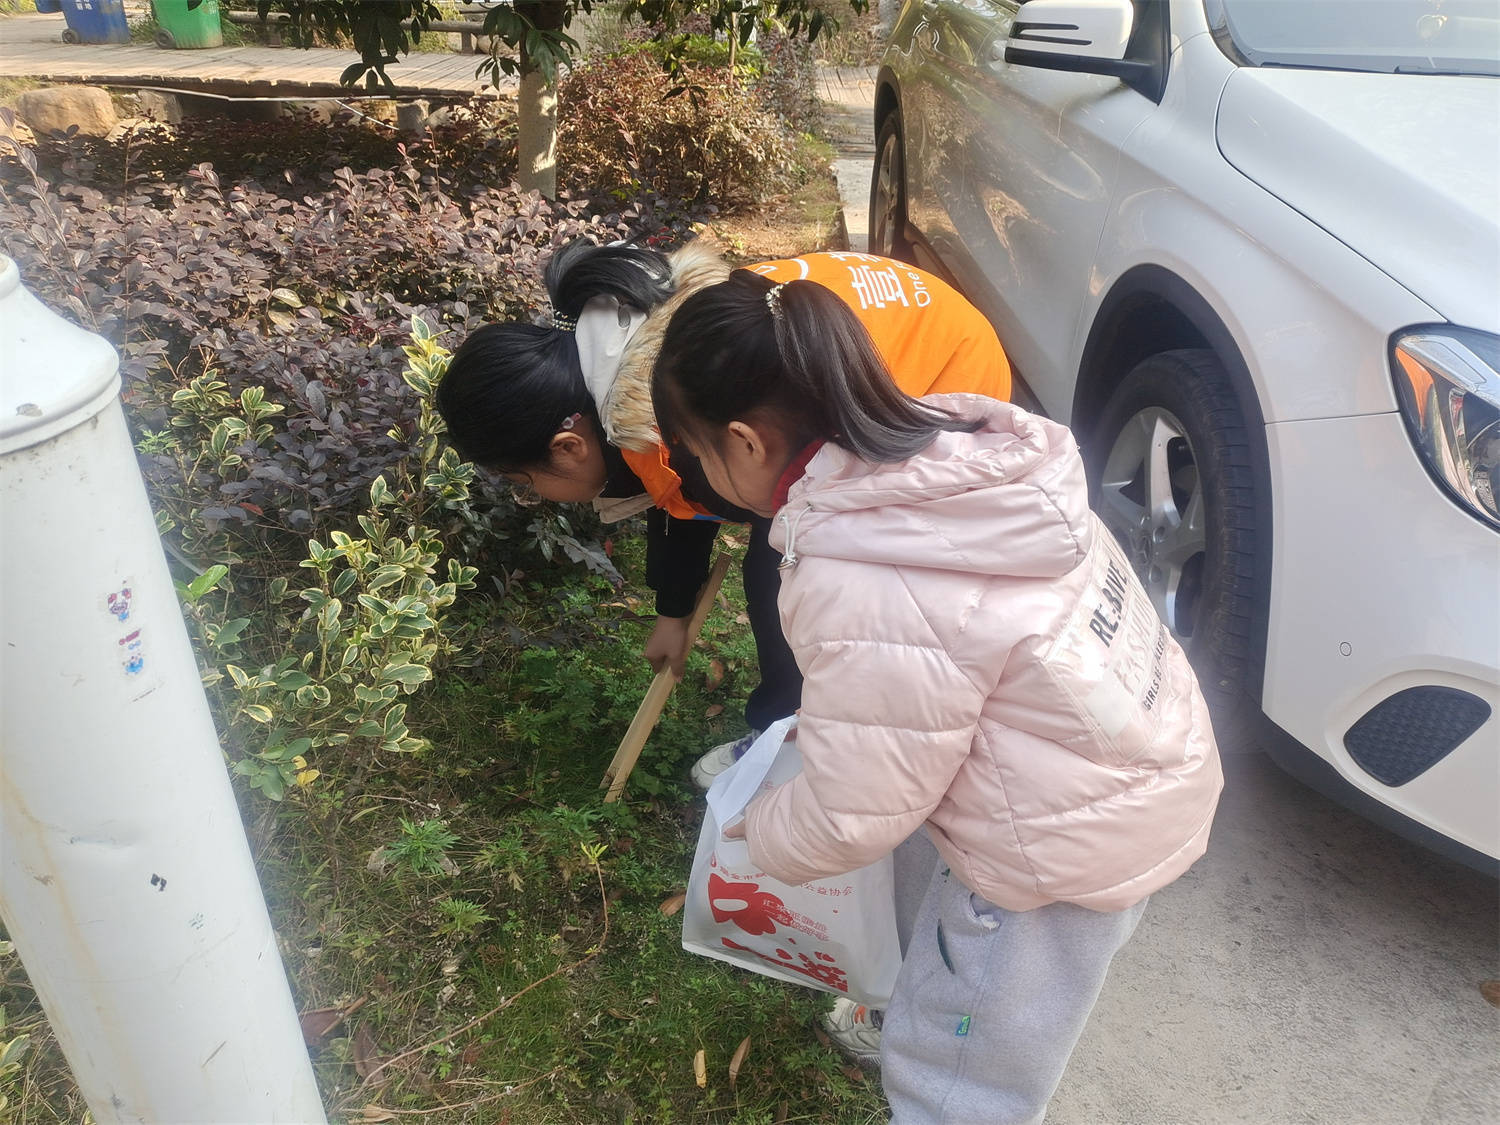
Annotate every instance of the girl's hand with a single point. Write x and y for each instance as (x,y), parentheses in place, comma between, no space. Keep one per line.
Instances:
(735,831)
(667,645)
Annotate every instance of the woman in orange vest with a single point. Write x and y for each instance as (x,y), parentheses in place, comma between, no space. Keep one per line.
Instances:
(564,412)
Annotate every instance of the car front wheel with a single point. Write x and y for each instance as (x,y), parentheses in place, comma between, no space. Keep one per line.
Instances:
(888,192)
(1171,478)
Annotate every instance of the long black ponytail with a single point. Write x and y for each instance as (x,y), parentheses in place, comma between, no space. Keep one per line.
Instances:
(509,386)
(748,346)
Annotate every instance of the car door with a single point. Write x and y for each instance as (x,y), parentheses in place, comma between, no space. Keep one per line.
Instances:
(1011,173)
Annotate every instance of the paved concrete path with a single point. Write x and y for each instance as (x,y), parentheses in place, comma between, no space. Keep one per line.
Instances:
(848,95)
(1310,968)
(31,47)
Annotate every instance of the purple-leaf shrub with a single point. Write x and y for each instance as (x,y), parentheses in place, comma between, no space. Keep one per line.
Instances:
(310,298)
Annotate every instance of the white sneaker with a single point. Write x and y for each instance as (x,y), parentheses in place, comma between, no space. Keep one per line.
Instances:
(855,1032)
(719,759)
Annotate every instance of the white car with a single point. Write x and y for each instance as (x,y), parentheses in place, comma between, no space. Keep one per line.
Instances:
(1249,250)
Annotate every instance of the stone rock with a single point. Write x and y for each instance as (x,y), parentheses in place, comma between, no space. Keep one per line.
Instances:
(411,117)
(60,107)
(319,109)
(160,105)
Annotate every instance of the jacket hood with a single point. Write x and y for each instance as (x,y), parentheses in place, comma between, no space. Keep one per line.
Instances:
(628,418)
(1008,499)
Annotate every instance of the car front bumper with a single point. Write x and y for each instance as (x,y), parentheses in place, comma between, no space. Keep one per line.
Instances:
(1382,584)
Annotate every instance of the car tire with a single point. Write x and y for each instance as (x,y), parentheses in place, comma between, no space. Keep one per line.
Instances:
(888,192)
(1171,476)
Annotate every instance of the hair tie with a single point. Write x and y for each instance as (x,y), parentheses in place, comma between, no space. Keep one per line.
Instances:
(773,299)
(564,323)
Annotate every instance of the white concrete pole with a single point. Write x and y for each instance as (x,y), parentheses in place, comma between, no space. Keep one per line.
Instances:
(125,878)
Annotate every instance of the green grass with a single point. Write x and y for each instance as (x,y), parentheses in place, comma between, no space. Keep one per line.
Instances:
(11,87)
(362,874)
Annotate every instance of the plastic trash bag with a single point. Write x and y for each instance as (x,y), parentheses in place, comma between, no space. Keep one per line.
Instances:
(836,934)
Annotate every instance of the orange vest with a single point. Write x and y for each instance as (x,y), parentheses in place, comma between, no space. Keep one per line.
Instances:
(930,337)
(663,484)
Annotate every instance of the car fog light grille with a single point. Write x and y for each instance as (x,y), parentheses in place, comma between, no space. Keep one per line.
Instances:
(1407,734)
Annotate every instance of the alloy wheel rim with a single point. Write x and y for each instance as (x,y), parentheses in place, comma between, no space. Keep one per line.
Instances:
(1151,499)
(885,183)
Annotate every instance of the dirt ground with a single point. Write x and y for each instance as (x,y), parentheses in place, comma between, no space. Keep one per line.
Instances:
(794,223)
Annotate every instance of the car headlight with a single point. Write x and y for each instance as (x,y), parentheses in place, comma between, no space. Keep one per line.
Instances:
(1448,384)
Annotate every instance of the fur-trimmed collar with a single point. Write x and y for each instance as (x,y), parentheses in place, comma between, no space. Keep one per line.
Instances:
(629,421)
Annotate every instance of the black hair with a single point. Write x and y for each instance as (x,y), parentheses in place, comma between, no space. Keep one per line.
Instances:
(726,355)
(510,386)
(580,271)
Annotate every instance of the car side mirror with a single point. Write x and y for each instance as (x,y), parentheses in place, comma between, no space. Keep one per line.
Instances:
(1082,36)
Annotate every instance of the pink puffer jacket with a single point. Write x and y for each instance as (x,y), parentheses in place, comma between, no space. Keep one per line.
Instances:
(979,655)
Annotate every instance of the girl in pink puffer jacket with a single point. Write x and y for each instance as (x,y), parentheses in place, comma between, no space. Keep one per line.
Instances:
(978,656)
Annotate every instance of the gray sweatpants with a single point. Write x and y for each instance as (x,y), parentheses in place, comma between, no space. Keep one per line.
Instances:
(990,1004)
(913,863)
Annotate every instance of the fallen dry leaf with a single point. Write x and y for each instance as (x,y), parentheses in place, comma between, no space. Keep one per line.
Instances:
(672,905)
(700,1069)
(319,1022)
(714,712)
(374,1113)
(742,619)
(1490,990)
(715,674)
(739,1057)
(853,1073)
(364,1051)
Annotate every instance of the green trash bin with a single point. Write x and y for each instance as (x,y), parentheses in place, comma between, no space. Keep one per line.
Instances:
(177,25)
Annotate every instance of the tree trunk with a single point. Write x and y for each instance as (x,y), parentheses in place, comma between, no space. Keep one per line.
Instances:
(536,107)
